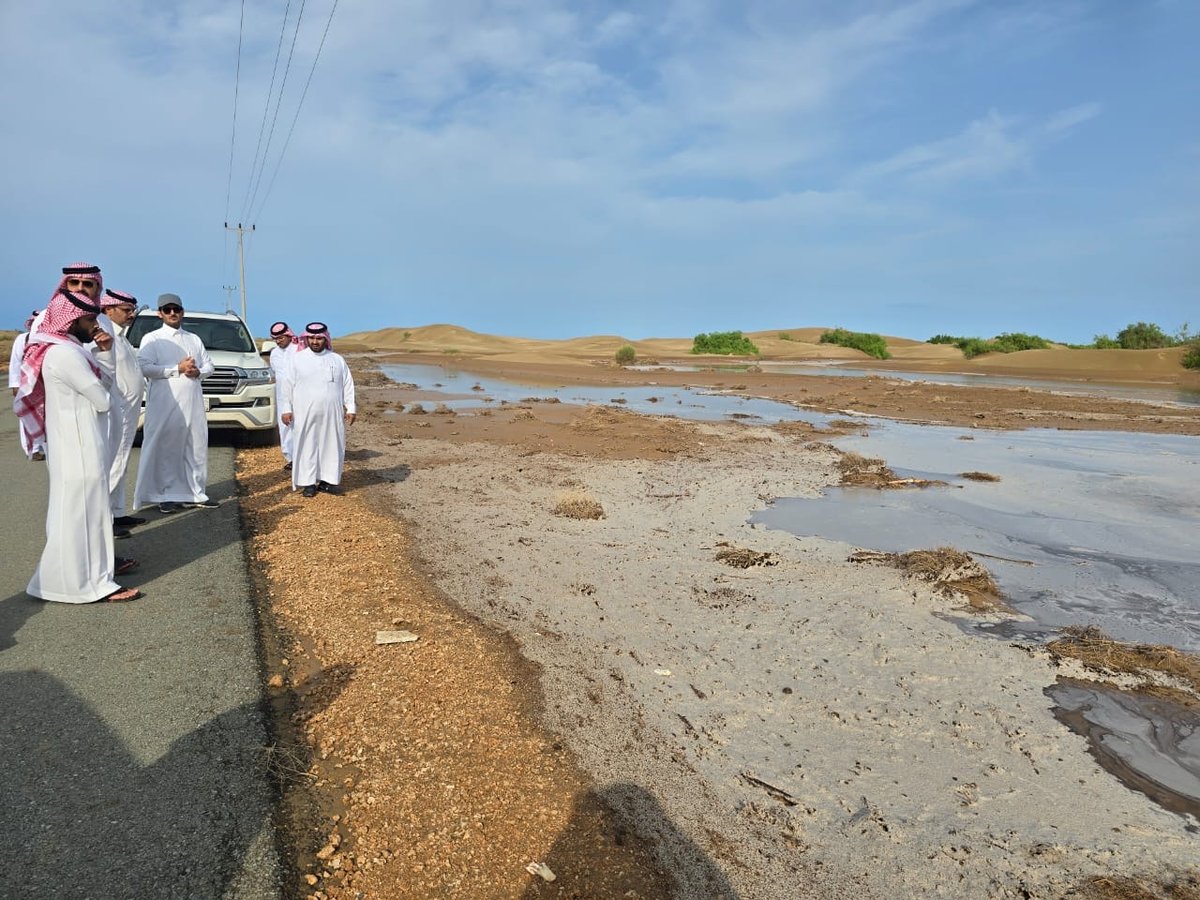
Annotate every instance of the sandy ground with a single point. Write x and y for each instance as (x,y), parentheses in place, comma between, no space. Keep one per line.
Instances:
(809,727)
(810,724)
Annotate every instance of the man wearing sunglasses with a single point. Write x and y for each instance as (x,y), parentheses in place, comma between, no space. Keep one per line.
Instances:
(173,468)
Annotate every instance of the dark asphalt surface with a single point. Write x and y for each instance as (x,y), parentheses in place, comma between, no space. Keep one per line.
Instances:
(131,735)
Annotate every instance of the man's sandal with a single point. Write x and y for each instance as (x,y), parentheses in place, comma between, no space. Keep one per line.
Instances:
(124,595)
(122,565)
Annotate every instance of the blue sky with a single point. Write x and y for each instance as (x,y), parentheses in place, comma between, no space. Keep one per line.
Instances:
(553,169)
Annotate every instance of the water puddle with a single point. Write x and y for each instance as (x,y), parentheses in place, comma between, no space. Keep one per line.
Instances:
(1151,745)
(464,392)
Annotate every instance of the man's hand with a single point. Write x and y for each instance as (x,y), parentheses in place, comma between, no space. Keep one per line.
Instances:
(286,419)
(187,366)
(103,339)
(349,418)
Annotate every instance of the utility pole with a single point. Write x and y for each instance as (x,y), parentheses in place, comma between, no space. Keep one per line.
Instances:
(228,289)
(241,260)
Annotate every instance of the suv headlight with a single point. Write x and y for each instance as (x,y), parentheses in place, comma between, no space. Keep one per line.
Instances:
(259,376)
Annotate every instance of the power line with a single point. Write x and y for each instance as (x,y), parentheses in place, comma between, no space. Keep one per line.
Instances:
(303,94)
(278,103)
(237,80)
(266,108)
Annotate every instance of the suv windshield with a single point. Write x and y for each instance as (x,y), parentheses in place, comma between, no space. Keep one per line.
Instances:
(215,334)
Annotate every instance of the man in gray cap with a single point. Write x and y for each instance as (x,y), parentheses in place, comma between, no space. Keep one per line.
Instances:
(173,469)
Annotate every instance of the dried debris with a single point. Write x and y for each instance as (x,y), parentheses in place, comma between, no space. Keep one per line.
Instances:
(1108,887)
(1101,654)
(979,476)
(744,558)
(578,505)
(951,572)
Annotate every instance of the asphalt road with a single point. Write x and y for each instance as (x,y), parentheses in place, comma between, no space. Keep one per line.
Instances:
(131,735)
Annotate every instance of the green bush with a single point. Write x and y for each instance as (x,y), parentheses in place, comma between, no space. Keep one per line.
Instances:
(870,344)
(944,339)
(785,335)
(972,347)
(626,355)
(1015,342)
(1143,336)
(1104,342)
(724,343)
(1191,359)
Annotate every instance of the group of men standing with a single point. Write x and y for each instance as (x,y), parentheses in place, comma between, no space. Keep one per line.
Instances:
(78,385)
(314,392)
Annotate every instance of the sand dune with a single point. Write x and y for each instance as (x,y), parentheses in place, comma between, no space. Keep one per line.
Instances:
(799,345)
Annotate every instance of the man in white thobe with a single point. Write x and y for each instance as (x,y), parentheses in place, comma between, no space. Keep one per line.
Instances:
(318,402)
(173,467)
(14,380)
(128,385)
(287,345)
(62,397)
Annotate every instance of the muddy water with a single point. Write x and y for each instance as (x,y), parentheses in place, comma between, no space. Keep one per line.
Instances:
(1083,528)
(1171,396)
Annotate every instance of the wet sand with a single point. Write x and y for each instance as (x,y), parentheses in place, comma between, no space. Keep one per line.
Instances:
(813,725)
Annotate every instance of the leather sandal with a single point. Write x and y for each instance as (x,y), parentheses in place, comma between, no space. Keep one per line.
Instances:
(124,595)
(122,565)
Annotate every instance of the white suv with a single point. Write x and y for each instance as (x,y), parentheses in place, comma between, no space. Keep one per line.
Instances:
(240,393)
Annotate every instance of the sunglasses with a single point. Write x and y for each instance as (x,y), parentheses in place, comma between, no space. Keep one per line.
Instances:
(81,282)
(171,310)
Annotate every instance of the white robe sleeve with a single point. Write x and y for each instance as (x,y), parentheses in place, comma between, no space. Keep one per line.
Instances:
(14,360)
(203,361)
(74,371)
(348,389)
(150,364)
(287,381)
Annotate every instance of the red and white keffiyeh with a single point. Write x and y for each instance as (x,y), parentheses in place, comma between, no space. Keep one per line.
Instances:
(115,298)
(30,402)
(315,328)
(283,328)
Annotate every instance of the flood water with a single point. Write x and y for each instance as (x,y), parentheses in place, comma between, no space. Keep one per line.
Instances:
(1145,393)
(1083,528)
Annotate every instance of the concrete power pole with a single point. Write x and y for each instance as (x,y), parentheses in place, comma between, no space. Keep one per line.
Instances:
(228,289)
(241,261)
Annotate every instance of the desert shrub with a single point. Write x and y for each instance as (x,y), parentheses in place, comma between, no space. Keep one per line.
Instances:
(1143,336)
(785,335)
(1104,342)
(724,343)
(870,344)
(626,355)
(972,347)
(944,339)
(1191,359)
(1014,342)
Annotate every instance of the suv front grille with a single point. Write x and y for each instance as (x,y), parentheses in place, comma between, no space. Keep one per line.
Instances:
(223,380)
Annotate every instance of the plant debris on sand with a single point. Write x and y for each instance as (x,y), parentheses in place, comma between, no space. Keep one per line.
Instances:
(950,571)
(1100,653)
(1186,887)
(578,505)
(865,471)
(979,476)
(744,558)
